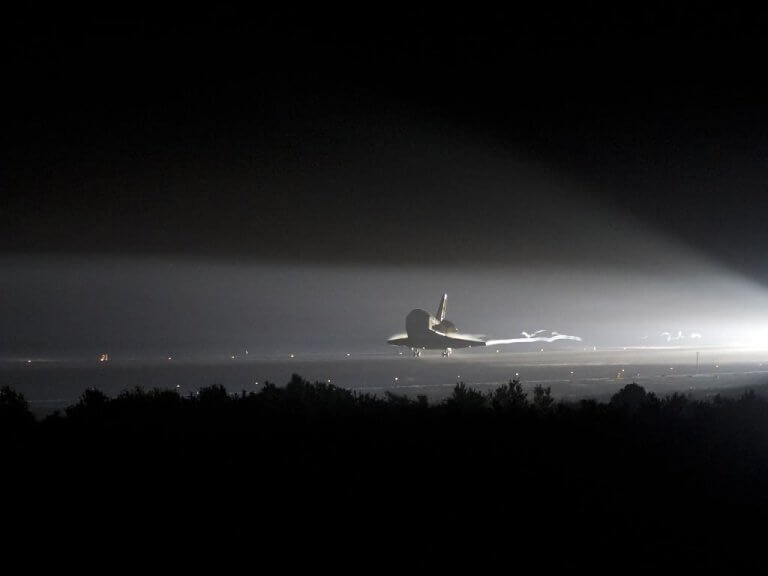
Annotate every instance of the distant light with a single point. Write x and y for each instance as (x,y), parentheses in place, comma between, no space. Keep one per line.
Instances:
(246,352)
(396,378)
(541,349)
(329,380)
(348,354)
(291,355)
(233,356)
(29,361)
(517,373)
(497,351)
(170,357)
(571,372)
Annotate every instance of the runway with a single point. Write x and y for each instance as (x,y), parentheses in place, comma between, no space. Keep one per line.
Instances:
(50,384)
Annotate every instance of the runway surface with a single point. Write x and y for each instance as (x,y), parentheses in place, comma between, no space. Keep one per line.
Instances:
(51,384)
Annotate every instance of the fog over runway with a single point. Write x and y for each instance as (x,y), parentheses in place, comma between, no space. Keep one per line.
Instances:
(572,374)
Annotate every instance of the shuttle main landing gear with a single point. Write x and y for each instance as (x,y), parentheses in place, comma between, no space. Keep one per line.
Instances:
(447,352)
(415,352)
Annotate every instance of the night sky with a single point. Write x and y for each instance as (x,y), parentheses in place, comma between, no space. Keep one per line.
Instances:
(193,183)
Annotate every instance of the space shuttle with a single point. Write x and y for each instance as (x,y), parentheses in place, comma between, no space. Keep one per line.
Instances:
(426,332)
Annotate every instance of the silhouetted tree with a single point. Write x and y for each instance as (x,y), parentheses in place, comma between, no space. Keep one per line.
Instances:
(510,396)
(214,395)
(92,404)
(466,399)
(632,397)
(398,400)
(14,409)
(749,397)
(542,398)
(675,403)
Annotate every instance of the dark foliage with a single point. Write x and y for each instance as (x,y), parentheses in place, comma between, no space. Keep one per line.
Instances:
(636,469)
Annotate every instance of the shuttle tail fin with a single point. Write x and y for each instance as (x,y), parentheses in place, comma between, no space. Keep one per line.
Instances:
(441,308)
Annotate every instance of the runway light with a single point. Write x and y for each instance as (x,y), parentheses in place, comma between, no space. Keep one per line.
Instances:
(348,354)
(291,355)
(233,356)
(29,361)
(396,378)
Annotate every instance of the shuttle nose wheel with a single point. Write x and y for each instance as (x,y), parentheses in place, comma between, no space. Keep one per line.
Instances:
(447,352)
(415,352)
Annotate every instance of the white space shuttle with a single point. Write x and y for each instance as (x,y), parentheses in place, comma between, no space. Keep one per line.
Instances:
(426,332)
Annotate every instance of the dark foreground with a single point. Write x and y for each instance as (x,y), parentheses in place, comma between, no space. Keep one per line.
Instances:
(509,473)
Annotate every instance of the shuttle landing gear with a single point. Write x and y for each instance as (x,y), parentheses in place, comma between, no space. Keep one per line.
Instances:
(415,352)
(447,352)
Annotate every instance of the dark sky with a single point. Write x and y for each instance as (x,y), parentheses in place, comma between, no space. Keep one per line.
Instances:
(333,139)
(302,181)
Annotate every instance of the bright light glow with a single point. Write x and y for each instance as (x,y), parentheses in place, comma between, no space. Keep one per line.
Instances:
(552,338)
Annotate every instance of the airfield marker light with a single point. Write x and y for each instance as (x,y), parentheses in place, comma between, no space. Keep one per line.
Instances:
(348,354)
(29,361)
(396,378)
(291,355)
(233,356)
